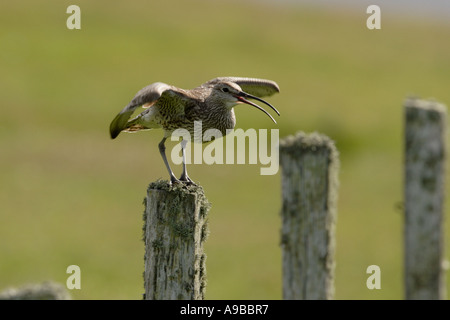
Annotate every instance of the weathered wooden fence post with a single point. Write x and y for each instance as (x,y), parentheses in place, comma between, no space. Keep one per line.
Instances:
(175,228)
(310,165)
(425,129)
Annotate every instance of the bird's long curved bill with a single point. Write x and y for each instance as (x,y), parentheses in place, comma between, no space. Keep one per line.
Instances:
(242,97)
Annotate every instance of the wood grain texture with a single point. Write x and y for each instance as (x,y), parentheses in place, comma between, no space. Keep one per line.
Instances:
(425,123)
(310,167)
(175,228)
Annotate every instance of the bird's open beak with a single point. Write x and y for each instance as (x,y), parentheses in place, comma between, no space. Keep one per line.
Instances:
(242,98)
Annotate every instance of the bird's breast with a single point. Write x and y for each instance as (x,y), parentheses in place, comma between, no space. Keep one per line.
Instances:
(196,117)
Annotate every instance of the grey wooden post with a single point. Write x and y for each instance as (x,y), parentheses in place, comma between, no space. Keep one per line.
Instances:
(310,165)
(425,127)
(175,228)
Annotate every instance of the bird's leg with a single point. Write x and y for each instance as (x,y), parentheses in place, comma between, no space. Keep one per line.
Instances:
(184,176)
(162,150)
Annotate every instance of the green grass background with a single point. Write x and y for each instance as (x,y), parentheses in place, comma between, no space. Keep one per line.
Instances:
(70,195)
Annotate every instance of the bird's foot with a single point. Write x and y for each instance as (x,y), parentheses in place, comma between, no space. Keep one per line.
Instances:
(174,181)
(186,180)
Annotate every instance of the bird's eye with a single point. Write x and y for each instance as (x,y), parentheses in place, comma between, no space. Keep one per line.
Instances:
(225,89)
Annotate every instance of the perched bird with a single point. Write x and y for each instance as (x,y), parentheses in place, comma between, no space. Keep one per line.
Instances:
(172,108)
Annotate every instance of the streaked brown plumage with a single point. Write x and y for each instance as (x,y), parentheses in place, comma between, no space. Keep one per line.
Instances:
(172,108)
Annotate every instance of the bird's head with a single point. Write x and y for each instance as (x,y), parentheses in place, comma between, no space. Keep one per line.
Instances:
(231,94)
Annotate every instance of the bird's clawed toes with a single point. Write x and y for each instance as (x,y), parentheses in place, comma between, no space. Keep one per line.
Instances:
(174,180)
(186,180)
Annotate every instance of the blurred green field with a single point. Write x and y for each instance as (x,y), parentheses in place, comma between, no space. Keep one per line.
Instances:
(70,195)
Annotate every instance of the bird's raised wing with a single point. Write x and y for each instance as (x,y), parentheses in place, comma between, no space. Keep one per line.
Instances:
(146,96)
(253,86)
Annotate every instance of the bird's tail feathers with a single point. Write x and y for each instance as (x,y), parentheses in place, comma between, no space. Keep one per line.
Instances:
(135,128)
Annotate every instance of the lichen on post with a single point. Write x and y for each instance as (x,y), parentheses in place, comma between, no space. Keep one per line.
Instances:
(175,229)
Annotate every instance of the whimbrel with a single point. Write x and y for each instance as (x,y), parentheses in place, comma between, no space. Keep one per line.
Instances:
(172,108)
